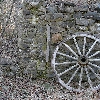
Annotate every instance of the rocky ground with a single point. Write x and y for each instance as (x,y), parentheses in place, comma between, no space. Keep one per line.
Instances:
(25,69)
(43,89)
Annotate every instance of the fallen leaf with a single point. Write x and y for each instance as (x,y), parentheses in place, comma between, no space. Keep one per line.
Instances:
(56,37)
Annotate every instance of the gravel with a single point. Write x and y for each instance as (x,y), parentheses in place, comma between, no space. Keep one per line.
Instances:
(20,88)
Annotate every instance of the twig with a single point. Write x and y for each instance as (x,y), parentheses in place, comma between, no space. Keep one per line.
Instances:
(48,43)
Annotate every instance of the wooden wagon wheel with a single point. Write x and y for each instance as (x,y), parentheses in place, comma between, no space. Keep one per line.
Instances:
(76,62)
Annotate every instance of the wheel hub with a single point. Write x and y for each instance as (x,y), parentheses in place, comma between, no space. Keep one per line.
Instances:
(83,60)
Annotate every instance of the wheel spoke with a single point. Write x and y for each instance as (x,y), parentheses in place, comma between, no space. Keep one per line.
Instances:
(91,48)
(77,46)
(70,49)
(84,45)
(66,55)
(94,72)
(89,80)
(94,65)
(94,59)
(94,54)
(73,75)
(63,63)
(80,82)
(54,55)
(55,52)
(67,70)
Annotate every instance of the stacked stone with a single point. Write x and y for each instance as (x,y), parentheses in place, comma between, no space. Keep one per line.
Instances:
(64,18)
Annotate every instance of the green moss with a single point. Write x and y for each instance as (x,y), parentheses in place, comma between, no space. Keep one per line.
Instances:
(41,73)
(34,10)
(38,63)
(44,47)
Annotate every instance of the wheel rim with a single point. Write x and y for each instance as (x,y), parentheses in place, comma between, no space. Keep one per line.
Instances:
(76,62)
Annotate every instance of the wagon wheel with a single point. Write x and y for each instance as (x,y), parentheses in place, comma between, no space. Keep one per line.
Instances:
(76,62)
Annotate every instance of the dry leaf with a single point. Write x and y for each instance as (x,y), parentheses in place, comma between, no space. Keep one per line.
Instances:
(56,37)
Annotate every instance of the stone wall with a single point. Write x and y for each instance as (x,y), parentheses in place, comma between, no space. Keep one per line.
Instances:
(39,27)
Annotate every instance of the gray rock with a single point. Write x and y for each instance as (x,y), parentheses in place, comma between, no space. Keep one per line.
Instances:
(97,18)
(69,4)
(14,68)
(56,29)
(82,28)
(1,73)
(92,29)
(97,4)
(31,35)
(33,64)
(78,15)
(54,16)
(69,10)
(40,13)
(31,0)
(91,21)
(67,24)
(0,42)
(28,17)
(71,31)
(84,22)
(97,25)
(33,51)
(24,46)
(42,66)
(97,7)
(98,29)
(26,12)
(51,9)
(81,8)
(27,40)
(5,61)
(42,17)
(66,17)
(92,15)
(11,74)
(50,74)
(36,3)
